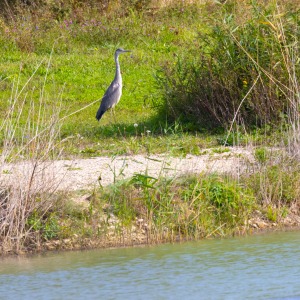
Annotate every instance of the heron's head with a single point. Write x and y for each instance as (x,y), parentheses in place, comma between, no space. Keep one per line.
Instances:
(121,50)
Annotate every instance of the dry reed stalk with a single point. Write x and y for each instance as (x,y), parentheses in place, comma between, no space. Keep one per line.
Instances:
(27,187)
(28,180)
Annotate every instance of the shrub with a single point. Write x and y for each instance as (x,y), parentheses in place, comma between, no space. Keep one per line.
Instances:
(238,70)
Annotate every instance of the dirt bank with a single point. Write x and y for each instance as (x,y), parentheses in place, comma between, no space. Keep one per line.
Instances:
(79,174)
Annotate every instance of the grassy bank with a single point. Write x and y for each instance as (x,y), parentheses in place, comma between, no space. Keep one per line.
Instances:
(74,47)
(199,76)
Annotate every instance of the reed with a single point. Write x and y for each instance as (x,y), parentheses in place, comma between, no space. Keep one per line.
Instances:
(242,70)
(27,188)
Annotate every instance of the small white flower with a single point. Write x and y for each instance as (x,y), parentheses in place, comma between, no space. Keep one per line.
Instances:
(148,131)
(135,125)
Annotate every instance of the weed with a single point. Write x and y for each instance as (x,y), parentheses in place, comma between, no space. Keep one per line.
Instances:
(232,139)
(275,184)
(272,214)
(46,226)
(261,155)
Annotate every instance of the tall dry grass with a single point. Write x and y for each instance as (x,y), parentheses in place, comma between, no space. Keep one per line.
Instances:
(27,187)
(276,179)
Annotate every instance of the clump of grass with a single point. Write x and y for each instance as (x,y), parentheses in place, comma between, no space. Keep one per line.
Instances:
(188,207)
(47,226)
(276,182)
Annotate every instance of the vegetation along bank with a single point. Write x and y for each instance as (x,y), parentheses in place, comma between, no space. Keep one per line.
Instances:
(206,137)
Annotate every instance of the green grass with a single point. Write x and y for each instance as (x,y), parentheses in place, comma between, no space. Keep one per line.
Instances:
(80,68)
(68,60)
(191,206)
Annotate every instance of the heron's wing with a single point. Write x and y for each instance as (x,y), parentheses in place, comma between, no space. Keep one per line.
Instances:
(111,96)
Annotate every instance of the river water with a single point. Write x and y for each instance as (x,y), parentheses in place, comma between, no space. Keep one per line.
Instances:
(265,266)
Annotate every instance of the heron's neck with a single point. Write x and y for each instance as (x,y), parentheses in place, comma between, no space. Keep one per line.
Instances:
(118,70)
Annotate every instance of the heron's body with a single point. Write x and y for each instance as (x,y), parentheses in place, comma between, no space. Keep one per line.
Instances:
(113,93)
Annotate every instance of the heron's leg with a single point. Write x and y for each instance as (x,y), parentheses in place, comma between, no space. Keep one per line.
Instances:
(113,111)
(111,116)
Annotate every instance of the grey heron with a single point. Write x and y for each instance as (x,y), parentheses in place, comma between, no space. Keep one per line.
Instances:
(114,91)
